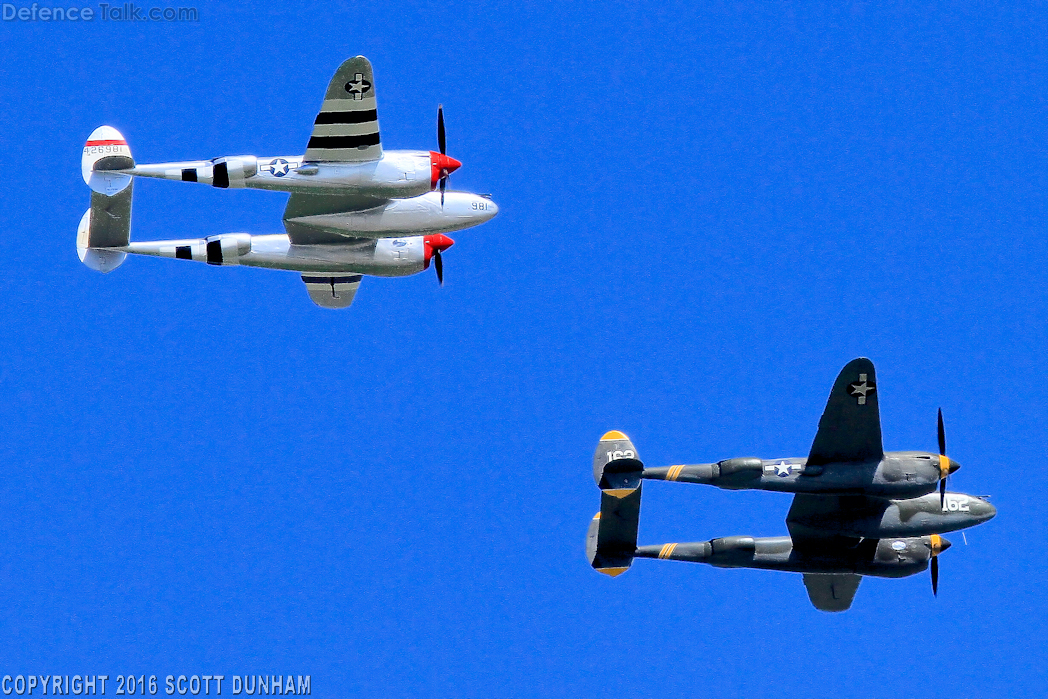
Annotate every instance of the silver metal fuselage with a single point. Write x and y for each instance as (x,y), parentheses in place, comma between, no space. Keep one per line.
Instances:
(386,257)
(386,241)
(421,215)
(398,174)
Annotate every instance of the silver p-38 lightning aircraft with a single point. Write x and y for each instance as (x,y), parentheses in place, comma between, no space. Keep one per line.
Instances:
(858,510)
(354,209)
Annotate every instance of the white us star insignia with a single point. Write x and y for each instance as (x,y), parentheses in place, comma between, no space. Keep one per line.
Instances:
(783,469)
(861,389)
(358,86)
(278,167)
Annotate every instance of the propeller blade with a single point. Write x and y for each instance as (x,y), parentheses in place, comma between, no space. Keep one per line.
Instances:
(438,263)
(942,434)
(935,576)
(440,130)
(942,451)
(443,184)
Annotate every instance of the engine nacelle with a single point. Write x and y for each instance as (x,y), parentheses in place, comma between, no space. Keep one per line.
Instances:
(232,171)
(897,558)
(399,254)
(226,249)
(733,544)
(736,471)
(749,465)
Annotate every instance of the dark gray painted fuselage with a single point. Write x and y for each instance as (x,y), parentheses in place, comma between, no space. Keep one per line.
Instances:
(858,516)
(899,474)
(886,558)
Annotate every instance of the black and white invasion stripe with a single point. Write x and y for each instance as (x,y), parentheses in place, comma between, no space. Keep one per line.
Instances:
(346,129)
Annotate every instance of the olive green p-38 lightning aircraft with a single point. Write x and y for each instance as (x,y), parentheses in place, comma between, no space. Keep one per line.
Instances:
(857,510)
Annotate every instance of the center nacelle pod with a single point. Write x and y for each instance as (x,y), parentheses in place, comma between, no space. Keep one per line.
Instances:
(226,249)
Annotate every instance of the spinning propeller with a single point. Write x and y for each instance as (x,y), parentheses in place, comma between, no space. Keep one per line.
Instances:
(946,467)
(434,245)
(937,544)
(443,166)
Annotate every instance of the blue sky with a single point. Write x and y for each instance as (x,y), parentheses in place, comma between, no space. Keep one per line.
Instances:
(706,211)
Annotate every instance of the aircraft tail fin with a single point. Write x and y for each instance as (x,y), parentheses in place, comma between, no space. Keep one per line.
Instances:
(104,229)
(616,468)
(611,541)
(105,154)
(612,538)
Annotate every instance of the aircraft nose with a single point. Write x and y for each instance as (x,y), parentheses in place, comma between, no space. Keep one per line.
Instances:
(982,509)
(491,210)
(480,209)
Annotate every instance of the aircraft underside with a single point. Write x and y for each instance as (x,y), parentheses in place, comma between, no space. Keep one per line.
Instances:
(857,510)
(385,257)
(354,208)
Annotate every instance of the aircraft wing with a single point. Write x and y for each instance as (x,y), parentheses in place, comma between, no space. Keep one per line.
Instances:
(332,292)
(817,519)
(300,206)
(850,428)
(831,593)
(346,129)
(810,521)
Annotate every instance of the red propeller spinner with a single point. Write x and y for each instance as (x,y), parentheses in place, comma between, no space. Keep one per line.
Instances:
(434,245)
(440,167)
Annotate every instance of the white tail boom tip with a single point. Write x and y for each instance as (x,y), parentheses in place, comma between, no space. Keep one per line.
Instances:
(106,150)
(98,259)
